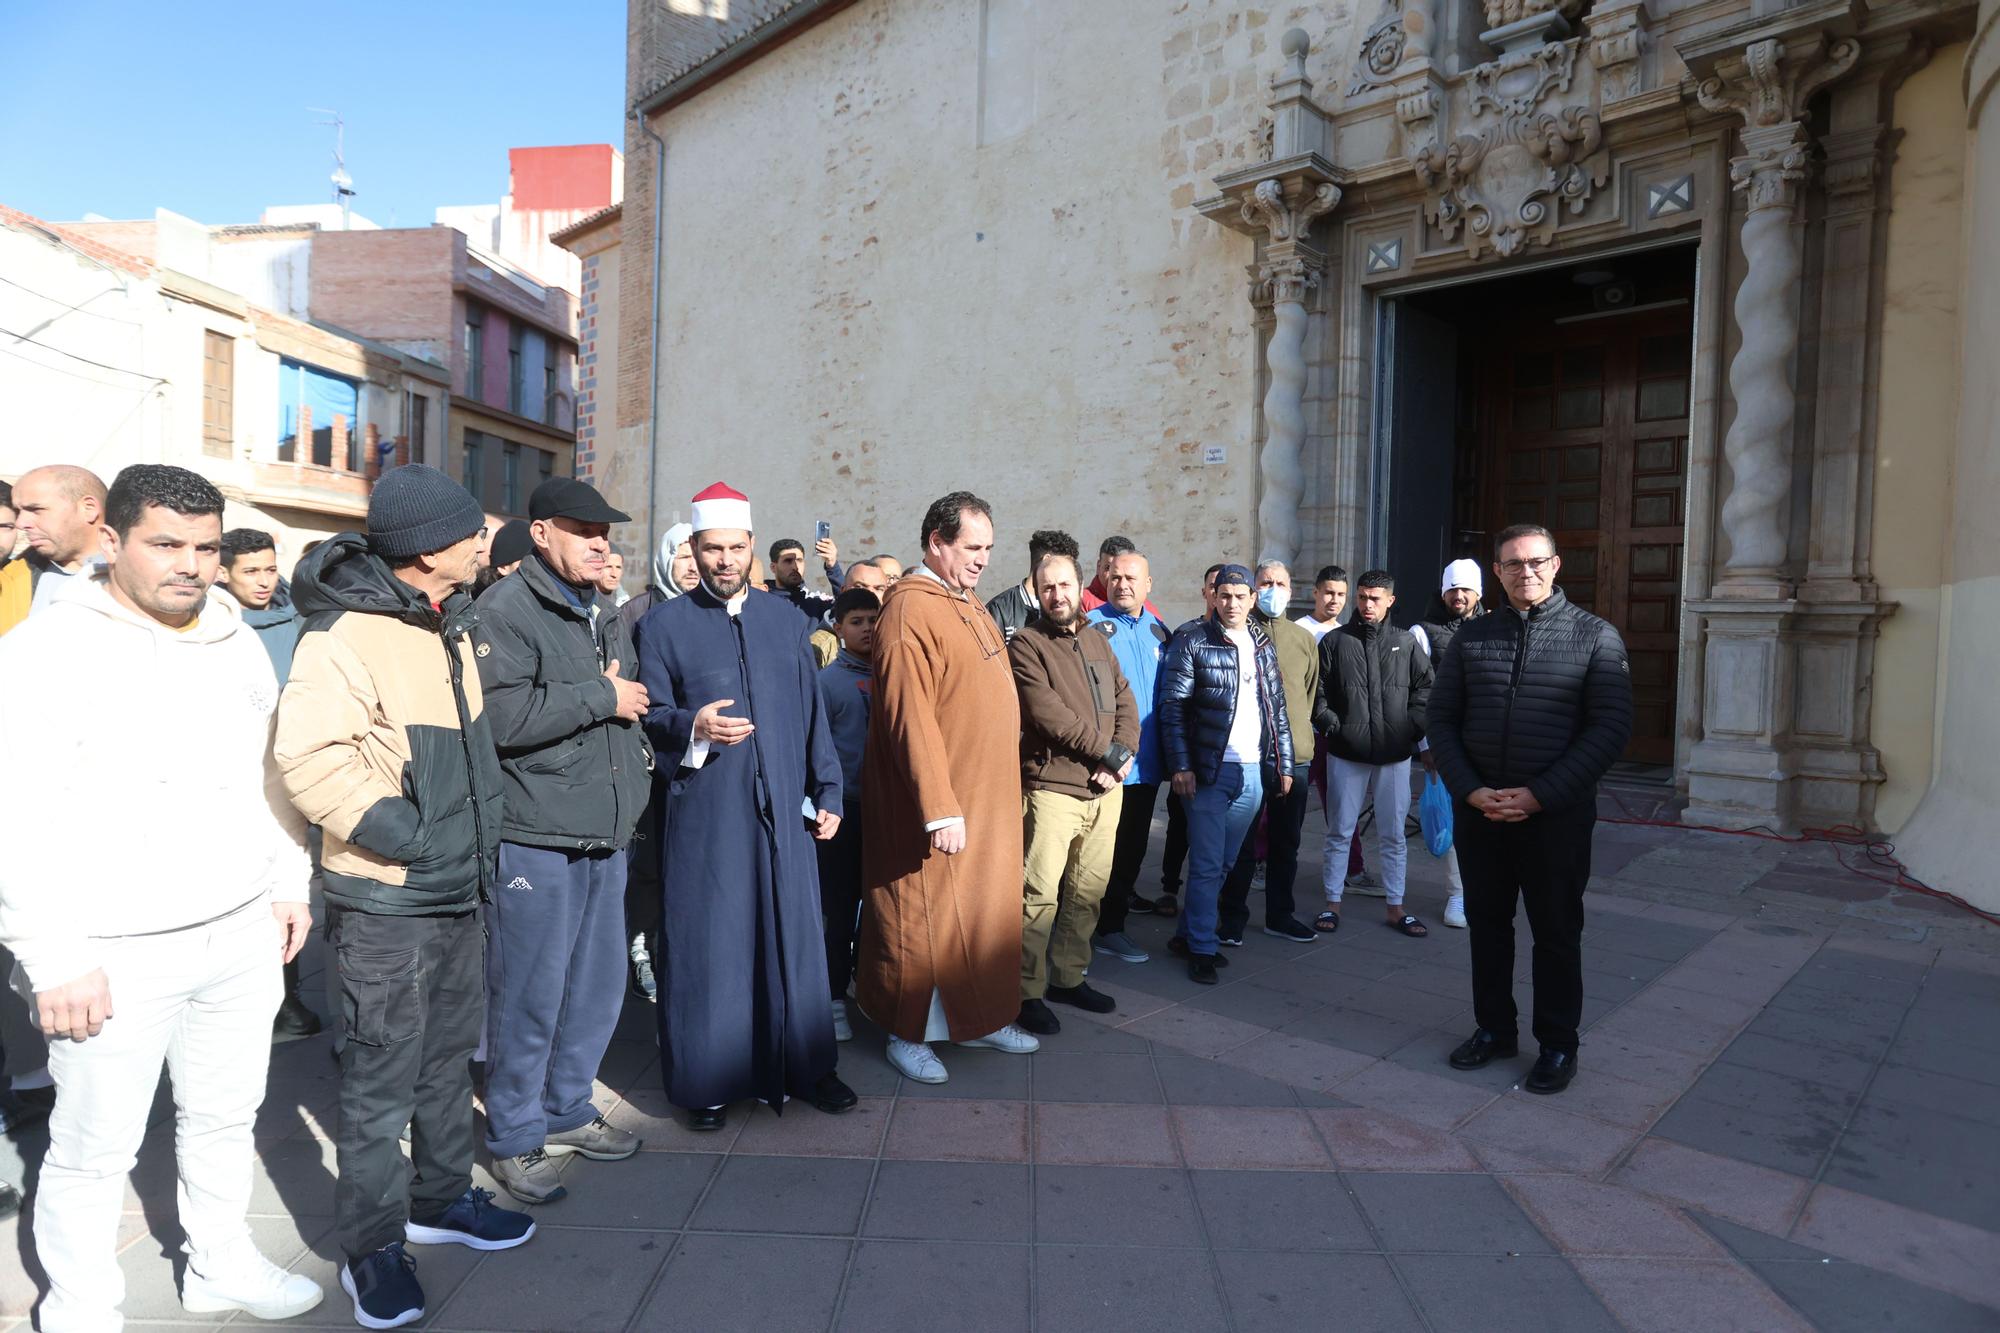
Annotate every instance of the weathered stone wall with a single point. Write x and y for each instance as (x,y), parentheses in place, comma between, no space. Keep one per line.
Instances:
(1918,421)
(1952,840)
(888,275)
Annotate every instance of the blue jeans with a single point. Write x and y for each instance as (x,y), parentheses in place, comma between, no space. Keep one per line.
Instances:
(1218,818)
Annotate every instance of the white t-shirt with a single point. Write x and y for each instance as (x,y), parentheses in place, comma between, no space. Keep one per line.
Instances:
(1317,628)
(1246,730)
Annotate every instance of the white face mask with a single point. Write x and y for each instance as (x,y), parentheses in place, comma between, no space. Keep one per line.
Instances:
(1271,600)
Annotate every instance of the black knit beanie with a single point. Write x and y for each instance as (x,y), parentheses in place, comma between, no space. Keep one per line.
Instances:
(512,543)
(415,510)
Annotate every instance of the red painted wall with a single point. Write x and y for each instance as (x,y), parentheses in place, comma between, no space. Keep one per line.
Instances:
(575,176)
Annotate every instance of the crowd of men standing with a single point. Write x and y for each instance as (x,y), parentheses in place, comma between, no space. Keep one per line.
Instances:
(754,804)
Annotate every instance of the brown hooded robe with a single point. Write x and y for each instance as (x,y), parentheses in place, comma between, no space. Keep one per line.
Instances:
(944,739)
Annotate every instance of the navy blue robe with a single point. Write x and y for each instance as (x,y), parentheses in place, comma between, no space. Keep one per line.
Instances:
(743,1005)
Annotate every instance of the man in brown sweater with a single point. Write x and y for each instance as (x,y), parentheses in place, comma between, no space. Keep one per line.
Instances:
(1079,734)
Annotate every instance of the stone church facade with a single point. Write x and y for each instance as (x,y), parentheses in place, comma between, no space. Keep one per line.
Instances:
(1696,285)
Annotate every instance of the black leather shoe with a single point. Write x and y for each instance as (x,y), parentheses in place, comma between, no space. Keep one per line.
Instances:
(1481,1049)
(1083,997)
(832,1096)
(1177,946)
(705,1118)
(1036,1018)
(1167,904)
(1551,1073)
(1201,968)
(294,1019)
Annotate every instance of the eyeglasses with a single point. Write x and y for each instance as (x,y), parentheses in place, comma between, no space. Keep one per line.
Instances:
(1513,568)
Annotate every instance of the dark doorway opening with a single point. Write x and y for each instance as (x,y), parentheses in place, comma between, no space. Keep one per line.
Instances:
(1557,397)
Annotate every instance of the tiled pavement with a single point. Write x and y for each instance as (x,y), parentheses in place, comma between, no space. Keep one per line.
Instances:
(1788,1117)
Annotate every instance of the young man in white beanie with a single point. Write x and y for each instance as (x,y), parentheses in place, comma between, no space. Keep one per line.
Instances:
(1458,602)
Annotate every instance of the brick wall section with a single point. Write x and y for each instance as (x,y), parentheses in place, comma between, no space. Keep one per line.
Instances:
(392,285)
(586,372)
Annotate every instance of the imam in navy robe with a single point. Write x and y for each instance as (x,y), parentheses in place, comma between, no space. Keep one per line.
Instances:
(743,1006)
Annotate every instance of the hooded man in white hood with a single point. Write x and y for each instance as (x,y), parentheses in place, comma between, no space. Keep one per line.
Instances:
(674,573)
(169,948)
(1459,592)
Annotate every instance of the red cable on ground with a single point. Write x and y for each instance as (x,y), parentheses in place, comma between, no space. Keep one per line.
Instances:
(1877,851)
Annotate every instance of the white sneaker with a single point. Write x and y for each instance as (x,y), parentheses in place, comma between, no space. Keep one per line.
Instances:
(916,1061)
(1367,884)
(1454,911)
(842,1029)
(1009,1039)
(246,1280)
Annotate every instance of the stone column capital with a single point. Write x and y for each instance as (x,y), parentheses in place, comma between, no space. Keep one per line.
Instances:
(1288,277)
(1285,209)
(1769,81)
(1768,85)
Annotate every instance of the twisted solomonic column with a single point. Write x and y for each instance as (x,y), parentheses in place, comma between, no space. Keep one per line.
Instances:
(1289,272)
(1770,92)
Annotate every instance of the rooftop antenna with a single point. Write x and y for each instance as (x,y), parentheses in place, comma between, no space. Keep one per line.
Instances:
(343,184)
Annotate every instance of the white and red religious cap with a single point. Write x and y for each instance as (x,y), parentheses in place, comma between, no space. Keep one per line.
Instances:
(721,507)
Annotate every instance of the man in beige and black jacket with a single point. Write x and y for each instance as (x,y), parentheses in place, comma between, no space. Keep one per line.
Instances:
(384,743)
(1079,735)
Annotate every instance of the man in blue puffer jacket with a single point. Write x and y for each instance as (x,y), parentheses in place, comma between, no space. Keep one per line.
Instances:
(1138,640)
(1225,734)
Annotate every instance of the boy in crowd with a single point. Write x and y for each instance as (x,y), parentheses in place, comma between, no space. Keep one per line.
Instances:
(844,685)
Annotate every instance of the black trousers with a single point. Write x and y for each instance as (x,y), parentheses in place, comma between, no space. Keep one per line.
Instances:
(840,899)
(642,875)
(1135,830)
(1544,860)
(1174,859)
(1285,819)
(412,1001)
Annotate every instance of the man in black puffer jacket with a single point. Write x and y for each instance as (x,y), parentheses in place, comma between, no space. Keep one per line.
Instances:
(1532,706)
(1374,684)
(1225,733)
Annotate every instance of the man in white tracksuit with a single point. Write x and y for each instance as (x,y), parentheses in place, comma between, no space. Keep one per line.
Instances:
(144,706)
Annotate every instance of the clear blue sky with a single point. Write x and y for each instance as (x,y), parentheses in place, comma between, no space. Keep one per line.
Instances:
(121,106)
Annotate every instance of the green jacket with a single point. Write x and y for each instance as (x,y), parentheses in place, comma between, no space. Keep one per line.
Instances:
(1298,667)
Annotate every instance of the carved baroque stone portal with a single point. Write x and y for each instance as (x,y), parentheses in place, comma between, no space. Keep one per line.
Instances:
(1505,183)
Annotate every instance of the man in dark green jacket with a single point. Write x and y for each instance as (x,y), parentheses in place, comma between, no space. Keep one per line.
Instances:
(558,666)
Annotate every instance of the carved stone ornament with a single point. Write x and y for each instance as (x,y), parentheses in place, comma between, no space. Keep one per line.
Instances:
(1381,50)
(1769,88)
(1266,207)
(1507,184)
(1516,84)
(1261,137)
(1501,12)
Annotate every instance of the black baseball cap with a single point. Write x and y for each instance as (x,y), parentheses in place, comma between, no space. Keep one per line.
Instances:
(566,497)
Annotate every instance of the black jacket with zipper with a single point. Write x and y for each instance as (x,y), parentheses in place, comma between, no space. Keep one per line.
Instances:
(576,775)
(1542,701)
(1197,701)
(1374,684)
